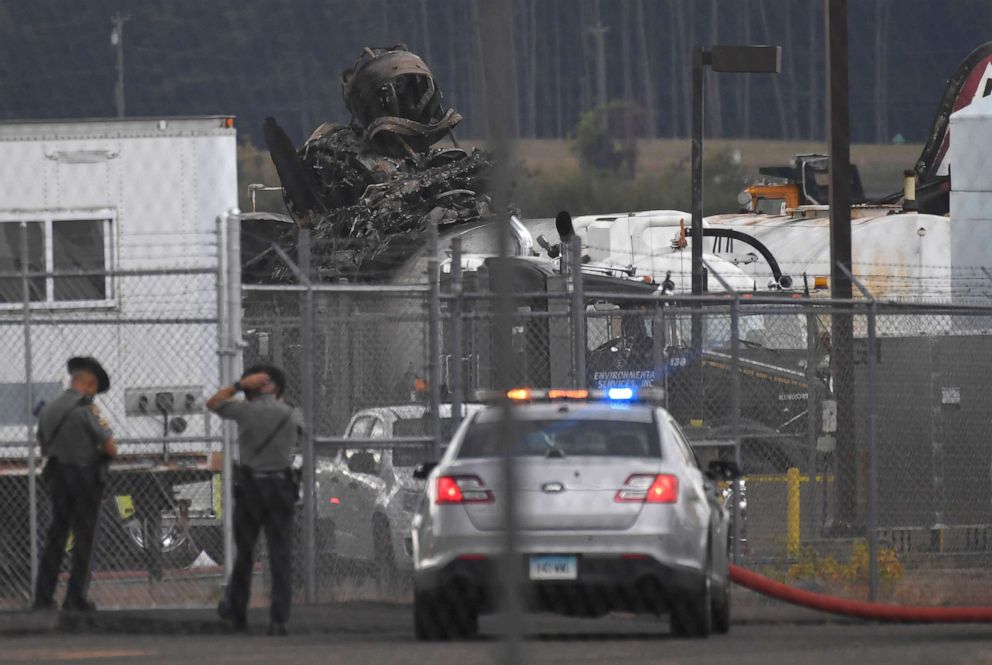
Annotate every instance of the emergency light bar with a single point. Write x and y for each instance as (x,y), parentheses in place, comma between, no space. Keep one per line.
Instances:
(615,394)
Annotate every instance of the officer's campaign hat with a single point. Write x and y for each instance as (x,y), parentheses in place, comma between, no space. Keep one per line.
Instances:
(93,366)
(277,376)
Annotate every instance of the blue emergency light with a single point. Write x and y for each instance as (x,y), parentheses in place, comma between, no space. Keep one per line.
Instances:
(620,394)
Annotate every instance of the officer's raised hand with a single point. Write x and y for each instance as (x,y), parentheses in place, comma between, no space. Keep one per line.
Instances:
(256,382)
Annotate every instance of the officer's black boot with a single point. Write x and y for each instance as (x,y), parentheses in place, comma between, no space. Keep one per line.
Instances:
(227,615)
(72,604)
(40,605)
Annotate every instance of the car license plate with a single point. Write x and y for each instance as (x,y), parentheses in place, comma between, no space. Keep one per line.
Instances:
(546,567)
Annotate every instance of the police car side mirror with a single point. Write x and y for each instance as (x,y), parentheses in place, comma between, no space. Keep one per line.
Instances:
(723,470)
(421,471)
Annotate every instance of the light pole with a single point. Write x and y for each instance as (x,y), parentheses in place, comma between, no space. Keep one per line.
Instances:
(736,59)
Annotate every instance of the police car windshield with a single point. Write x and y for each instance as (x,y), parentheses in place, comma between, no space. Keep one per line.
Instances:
(563,438)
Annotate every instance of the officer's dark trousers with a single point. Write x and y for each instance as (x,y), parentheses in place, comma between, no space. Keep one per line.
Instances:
(264,502)
(76,492)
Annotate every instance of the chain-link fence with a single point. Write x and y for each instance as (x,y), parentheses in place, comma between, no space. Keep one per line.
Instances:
(160,539)
(368,368)
(866,465)
(767,385)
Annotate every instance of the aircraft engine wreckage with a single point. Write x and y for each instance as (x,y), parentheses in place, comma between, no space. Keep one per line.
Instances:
(369,189)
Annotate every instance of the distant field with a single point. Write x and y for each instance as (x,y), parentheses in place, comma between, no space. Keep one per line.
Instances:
(880,166)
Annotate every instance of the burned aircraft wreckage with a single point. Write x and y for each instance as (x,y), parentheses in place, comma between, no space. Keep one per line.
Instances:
(370,188)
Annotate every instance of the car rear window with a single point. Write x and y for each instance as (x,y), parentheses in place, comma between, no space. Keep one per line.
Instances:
(413,455)
(563,438)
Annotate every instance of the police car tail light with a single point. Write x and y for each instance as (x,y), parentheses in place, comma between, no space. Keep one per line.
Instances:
(644,488)
(461,489)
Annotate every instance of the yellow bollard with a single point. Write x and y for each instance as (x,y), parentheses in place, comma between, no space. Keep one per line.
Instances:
(792,511)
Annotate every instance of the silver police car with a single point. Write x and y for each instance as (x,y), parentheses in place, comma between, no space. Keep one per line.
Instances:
(613,511)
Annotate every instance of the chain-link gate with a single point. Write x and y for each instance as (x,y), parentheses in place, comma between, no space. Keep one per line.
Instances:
(367,364)
(160,538)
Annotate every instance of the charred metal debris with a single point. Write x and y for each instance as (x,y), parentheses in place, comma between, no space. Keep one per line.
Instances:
(370,188)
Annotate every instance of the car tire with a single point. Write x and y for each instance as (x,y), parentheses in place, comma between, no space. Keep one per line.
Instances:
(721,610)
(326,536)
(692,614)
(384,557)
(445,614)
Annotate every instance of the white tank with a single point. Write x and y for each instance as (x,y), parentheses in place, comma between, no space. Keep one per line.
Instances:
(655,243)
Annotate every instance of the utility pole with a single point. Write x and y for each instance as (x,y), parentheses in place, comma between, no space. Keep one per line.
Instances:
(841,324)
(599,34)
(117,40)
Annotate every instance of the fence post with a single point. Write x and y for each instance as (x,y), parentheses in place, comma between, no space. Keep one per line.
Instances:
(457,352)
(578,313)
(29,411)
(226,379)
(872,452)
(658,344)
(735,415)
(735,403)
(230,344)
(872,455)
(814,401)
(306,390)
(434,336)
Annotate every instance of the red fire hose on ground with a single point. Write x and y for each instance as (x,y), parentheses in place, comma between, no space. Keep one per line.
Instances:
(857,608)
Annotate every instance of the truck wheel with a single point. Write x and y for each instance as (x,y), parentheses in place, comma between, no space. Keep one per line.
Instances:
(692,614)
(211,539)
(177,549)
(445,614)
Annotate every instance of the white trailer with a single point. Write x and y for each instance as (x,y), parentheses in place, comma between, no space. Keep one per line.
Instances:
(115,223)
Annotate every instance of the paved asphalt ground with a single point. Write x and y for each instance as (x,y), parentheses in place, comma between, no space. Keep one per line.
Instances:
(368,633)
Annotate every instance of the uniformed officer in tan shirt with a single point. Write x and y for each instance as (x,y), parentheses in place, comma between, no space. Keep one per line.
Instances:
(78,442)
(265,491)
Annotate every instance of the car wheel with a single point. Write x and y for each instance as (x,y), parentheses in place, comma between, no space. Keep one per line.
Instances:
(386,573)
(721,610)
(330,567)
(446,614)
(325,537)
(692,614)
